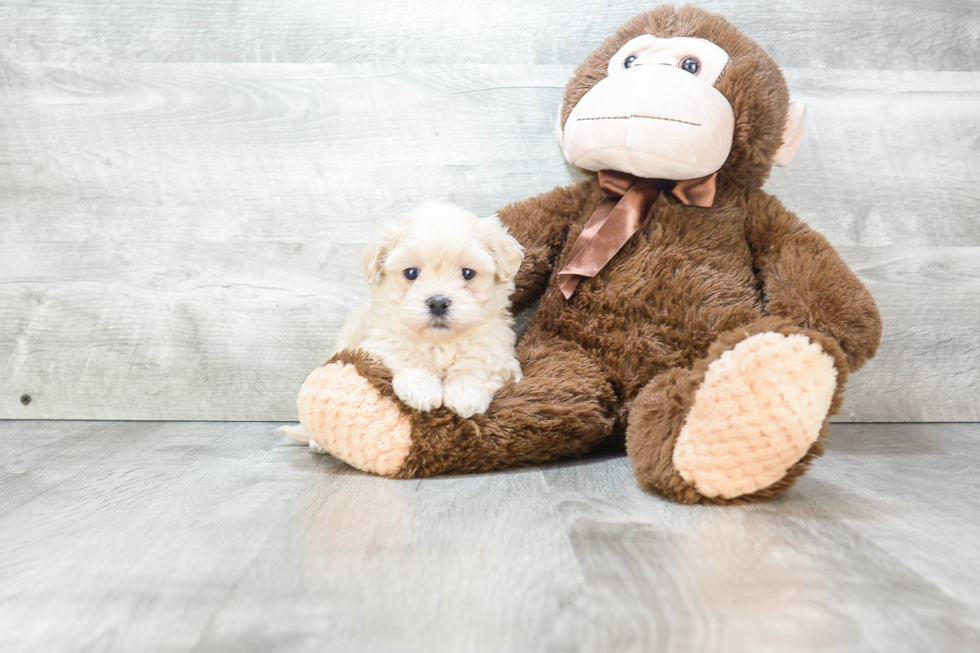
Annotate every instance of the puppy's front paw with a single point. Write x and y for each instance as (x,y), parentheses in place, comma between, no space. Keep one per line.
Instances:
(466,399)
(418,389)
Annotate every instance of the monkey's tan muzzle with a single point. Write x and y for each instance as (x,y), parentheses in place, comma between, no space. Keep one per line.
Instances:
(652,121)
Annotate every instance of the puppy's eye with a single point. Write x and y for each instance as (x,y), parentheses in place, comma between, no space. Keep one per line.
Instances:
(468,273)
(629,61)
(690,65)
(411,274)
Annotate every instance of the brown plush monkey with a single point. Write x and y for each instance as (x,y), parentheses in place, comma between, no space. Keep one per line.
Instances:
(681,306)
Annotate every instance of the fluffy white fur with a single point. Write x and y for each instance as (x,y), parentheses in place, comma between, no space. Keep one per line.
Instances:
(459,359)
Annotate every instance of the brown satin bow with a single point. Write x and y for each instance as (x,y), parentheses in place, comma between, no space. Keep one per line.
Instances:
(620,215)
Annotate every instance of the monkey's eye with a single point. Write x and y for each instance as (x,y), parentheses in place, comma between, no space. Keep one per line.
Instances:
(690,65)
(411,273)
(629,61)
(468,273)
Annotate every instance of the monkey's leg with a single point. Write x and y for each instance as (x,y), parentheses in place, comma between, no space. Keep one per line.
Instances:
(559,409)
(744,423)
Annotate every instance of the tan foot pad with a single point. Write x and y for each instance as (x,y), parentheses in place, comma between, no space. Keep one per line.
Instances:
(343,413)
(760,407)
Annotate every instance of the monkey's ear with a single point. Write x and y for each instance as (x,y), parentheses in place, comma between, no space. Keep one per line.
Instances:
(792,134)
(377,251)
(506,252)
(560,133)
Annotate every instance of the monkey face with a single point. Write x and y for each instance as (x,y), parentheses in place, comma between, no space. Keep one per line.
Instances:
(656,114)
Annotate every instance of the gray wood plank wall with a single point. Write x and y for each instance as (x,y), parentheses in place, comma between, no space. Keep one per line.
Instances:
(185,187)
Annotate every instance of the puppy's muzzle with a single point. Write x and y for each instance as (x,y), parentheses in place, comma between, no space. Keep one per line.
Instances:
(438,305)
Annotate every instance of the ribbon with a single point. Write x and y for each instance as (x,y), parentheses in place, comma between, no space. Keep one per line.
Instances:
(620,215)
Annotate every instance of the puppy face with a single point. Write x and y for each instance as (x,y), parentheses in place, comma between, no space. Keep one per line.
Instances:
(442,271)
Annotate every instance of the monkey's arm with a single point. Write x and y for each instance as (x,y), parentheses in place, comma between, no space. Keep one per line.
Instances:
(805,280)
(541,224)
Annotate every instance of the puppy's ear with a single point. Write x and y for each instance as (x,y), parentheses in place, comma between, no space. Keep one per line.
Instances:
(506,252)
(377,251)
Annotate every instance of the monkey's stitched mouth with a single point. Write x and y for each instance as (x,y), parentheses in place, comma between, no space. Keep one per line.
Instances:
(686,122)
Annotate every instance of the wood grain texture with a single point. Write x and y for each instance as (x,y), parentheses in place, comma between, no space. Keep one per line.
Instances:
(197,334)
(225,537)
(889,158)
(121,538)
(181,241)
(882,34)
(295,153)
(192,152)
(928,366)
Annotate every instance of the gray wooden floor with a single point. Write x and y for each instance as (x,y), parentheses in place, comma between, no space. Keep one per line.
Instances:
(120,536)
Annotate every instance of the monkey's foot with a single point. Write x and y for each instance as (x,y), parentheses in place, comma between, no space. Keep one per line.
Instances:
(760,407)
(348,417)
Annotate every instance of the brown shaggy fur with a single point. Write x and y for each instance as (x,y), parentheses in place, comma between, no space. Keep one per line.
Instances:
(630,348)
(658,413)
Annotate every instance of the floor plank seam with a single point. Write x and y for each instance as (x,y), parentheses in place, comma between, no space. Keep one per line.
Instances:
(246,568)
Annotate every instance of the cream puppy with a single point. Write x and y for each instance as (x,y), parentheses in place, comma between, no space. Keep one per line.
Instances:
(437,315)
(439,284)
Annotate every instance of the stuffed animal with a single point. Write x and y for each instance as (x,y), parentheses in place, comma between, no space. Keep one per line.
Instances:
(683,310)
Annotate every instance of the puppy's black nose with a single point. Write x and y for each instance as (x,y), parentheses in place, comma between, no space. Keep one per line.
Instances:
(438,305)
